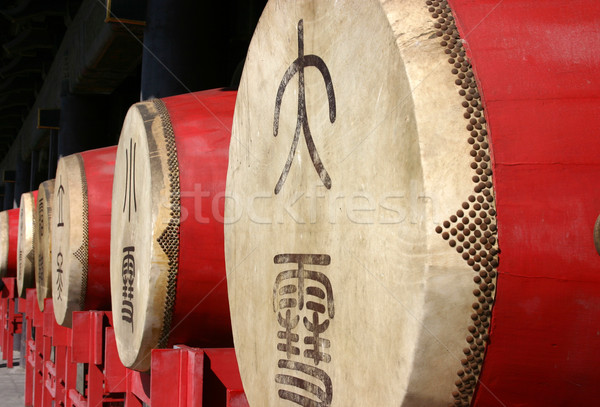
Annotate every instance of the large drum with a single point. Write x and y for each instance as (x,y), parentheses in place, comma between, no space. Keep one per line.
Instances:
(413,204)
(25,245)
(167,261)
(43,242)
(9,238)
(81,233)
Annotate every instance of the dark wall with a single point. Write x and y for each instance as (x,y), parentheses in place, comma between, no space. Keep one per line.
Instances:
(193,45)
(189,45)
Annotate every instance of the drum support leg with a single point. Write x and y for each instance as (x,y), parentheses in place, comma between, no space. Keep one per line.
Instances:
(205,377)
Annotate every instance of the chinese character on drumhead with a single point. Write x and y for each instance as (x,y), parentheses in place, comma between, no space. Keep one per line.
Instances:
(297,67)
(299,290)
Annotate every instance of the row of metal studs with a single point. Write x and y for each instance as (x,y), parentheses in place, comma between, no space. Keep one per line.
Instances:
(169,238)
(81,253)
(472,229)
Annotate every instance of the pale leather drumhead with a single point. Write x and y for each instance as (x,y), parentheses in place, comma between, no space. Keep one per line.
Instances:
(348,151)
(140,212)
(25,250)
(69,239)
(43,246)
(4,239)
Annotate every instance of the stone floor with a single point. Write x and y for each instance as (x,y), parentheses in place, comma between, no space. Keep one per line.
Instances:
(12,383)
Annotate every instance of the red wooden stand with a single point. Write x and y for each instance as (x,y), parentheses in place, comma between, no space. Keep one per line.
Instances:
(11,321)
(35,357)
(204,377)
(45,333)
(25,304)
(223,363)
(94,347)
(56,356)
(59,372)
(138,389)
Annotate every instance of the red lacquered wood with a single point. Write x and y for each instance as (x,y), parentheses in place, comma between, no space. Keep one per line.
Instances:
(99,171)
(13,242)
(202,126)
(538,70)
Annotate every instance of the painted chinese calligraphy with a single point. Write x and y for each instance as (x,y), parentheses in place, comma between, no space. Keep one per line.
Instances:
(297,67)
(59,256)
(61,194)
(130,180)
(59,273)
(312,290)
(128,273)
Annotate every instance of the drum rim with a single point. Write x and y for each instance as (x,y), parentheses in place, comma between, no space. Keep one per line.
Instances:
(44,249)
(4,242)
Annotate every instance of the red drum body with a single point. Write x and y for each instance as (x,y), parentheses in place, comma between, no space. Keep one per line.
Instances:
(99,171)
(201,313)
(9,227)
(541,101)
(81,233)
(426,235)
(167,262)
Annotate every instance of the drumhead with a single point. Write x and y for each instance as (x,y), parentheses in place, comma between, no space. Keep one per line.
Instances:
(350,191)
(25,249)
(43,246)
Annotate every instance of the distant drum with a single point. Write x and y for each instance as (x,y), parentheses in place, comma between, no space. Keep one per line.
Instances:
(25,246)
(414,191)
(81,233)
(9,237)
(167,263)
(43,242)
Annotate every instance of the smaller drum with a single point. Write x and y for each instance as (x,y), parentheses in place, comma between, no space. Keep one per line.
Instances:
(167,263)
(9,236)
(25,259)
(43,242)
(81,233)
